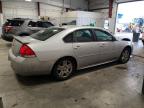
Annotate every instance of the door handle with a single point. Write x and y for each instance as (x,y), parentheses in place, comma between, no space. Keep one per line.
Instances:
(102,45)
(76,47)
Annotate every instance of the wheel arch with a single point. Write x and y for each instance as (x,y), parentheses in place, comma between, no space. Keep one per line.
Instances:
(128,47)
(67,57)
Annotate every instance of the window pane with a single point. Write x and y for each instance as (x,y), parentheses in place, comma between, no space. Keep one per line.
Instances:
(39,24)
(83,36)
(47,24)
(69,38)
(45,34)
(102,36)
(14,22)
(32,24)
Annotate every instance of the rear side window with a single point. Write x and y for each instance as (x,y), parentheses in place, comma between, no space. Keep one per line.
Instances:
(32,24)
(69,38)
(14,23)
(40,24)
(45,34)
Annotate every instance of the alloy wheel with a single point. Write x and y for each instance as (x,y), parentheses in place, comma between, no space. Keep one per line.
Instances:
(125,56)
(64,68)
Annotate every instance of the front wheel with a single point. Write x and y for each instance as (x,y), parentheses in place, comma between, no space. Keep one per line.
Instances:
(143,42)
(63,69)
(125,56)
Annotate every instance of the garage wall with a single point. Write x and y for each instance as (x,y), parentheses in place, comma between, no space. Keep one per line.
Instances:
(103,6)
(50,8)
(19,9)
(53,12)
(99,6)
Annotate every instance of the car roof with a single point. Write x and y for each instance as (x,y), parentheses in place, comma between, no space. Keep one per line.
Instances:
(22,19)
(67,27)
(19,19)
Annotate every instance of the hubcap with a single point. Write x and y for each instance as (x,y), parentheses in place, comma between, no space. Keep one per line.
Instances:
(125,55)
(64,68)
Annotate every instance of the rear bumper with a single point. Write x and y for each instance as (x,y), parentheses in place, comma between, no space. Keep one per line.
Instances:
(7,37)
(28,66)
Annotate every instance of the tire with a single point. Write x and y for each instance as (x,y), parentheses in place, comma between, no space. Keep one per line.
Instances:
(125,56)
(63,69)
(143,42)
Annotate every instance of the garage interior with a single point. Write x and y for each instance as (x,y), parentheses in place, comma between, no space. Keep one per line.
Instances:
(110,85)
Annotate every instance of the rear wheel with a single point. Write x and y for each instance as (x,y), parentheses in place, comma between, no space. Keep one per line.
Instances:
(63,69)
(125,55)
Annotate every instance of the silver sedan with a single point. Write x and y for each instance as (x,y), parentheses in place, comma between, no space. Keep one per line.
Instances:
(62,50)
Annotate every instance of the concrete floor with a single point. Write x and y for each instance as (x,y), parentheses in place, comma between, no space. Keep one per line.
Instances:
(108,86)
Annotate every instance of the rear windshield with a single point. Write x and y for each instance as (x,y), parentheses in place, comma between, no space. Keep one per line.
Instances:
(14,23)
(40,24)
(45,34)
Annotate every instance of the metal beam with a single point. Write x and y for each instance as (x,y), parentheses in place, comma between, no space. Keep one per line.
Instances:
(110,8)
(98,8)
(143,87)
(1,11)
(38,8)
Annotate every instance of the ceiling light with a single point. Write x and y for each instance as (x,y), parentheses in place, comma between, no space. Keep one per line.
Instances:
(28,0)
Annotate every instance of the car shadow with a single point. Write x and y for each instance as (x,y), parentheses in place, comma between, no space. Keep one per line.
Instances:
(42,79)
(35,80)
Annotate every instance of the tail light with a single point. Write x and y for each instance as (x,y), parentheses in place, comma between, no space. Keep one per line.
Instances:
(26,51)
(8,28)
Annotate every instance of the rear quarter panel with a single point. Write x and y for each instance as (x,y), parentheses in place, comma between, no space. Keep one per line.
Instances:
(52,50)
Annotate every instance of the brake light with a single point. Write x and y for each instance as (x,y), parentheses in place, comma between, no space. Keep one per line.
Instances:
(26,51)
(8,28)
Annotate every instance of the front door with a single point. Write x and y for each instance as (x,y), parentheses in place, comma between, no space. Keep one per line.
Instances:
(83,47)
(107,45)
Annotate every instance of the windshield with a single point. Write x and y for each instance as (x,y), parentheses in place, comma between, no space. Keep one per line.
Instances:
(14,23)
(45,34)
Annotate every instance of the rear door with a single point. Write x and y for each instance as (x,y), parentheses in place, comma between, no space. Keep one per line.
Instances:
(84,47)
(33,27)
(107,45)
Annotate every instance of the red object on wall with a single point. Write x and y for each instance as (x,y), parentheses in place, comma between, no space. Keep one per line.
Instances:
(110,8)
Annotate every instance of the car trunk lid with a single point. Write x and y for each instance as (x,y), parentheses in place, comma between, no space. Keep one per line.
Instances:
(19,41)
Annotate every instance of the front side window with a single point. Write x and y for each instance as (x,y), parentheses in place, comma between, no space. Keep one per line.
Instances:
(47,24)
(103,36)
(83,35)
(45,34)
